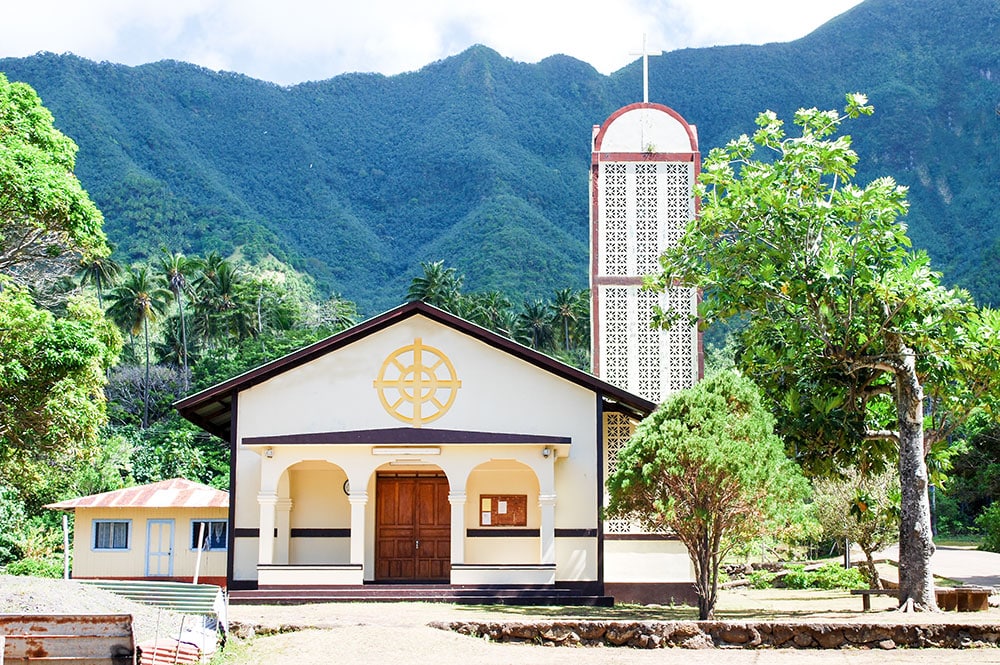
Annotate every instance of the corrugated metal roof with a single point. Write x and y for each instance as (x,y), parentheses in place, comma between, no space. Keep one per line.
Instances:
(173,493)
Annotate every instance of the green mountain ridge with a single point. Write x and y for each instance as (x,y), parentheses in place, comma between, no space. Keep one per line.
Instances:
(483,161)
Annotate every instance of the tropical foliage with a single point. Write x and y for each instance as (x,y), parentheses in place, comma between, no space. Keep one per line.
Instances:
(560,327)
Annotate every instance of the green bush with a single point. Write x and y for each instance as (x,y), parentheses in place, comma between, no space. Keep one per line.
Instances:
(796,577)
(36,568)
(989,522)
(834,576)
(828,576)
(761,579)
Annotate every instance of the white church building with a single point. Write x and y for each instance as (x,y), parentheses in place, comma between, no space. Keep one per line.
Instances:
(418,452)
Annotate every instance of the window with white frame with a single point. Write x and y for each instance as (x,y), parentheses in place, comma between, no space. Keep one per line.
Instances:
(215,534)
(111,534)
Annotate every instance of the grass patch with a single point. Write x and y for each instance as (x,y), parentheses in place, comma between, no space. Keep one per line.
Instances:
(959,541)
(235,651)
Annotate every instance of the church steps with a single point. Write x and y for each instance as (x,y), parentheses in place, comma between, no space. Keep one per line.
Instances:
(418,593)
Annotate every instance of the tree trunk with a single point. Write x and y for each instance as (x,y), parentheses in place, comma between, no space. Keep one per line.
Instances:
(916,544)
(184,343)
(869,571)
(701,557)
(145,388)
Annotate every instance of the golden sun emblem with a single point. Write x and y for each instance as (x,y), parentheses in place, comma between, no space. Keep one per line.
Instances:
(417,383)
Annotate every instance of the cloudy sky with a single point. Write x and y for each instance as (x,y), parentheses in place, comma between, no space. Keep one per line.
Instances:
(290,41)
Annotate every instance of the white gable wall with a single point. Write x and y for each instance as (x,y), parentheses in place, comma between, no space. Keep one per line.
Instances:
(499,393)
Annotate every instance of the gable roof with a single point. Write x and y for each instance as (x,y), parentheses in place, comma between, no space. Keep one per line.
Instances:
(211,409)
(173,493)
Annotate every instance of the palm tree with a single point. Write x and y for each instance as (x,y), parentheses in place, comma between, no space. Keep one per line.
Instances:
(490,309)
(535,324)
(175,270)
(438,286)
(136,302)
(220,303)
(567,308)
(101,271)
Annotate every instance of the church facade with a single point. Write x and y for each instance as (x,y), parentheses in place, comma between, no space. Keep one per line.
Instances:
(416,447)
(419,447)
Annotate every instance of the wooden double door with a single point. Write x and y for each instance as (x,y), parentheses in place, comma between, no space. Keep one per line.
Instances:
(412,528)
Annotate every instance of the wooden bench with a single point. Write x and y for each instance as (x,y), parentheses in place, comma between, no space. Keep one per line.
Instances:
(961,599)
(866,595)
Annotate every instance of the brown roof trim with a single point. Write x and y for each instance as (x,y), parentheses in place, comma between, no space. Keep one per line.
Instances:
(403,435)
(197,407)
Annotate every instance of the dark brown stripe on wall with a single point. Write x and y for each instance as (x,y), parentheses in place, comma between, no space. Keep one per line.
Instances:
(249,533)
(639,536)
(502,533)
(321,533)
(576,533)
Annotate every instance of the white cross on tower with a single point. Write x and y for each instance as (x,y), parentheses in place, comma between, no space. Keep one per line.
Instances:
(645,69)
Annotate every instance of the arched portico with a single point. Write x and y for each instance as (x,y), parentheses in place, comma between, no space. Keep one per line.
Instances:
(380,509)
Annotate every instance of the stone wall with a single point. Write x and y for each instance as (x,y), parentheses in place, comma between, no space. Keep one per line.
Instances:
(749,634)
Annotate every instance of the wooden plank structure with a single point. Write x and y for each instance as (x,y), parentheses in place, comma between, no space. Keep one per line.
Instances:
(68,639)
(961,599)
(167,651)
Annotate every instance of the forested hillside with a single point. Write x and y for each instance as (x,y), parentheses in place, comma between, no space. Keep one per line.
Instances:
(482,161)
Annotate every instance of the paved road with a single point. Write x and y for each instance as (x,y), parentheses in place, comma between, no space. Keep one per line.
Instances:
(962,564)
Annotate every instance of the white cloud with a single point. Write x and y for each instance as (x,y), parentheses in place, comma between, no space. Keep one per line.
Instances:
(295,40)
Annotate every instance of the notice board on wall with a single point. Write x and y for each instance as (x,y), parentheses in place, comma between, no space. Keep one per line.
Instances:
(503,510)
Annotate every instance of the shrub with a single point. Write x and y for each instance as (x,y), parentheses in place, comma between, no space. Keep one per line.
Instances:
(828,576)
(36,568)
(833,576)
(989,522)
(761,579)
(796,577)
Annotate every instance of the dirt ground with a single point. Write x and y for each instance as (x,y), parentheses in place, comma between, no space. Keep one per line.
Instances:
(377,633)
(363,633)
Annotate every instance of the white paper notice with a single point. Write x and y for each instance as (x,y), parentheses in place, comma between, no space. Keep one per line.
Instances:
(501,507)
(487,519)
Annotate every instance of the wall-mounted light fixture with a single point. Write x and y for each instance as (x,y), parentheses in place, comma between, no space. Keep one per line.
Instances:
(269,453)
(546,451)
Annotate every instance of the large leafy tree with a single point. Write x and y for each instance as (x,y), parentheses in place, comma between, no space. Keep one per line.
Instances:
(51,365)
(51,377)
(707,466)
(46,217)
(847,330)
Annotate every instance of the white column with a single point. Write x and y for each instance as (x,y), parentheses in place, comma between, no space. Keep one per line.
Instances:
(358,500)
(267,502)
(457,500)
(283,521)
(547,504)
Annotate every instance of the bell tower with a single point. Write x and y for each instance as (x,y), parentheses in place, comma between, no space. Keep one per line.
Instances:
(644,164)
